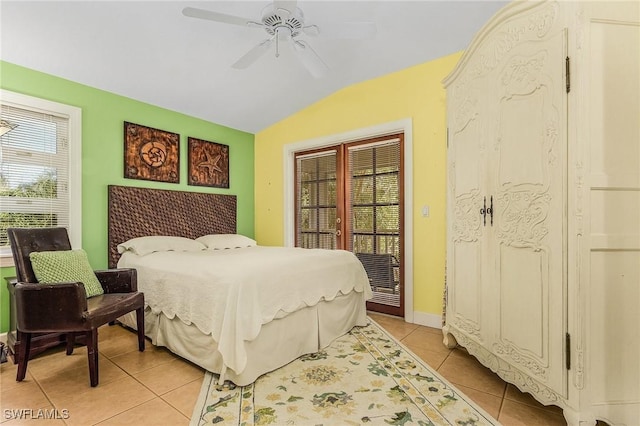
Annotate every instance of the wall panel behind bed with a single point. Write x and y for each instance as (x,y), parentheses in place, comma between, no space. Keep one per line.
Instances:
(137,212)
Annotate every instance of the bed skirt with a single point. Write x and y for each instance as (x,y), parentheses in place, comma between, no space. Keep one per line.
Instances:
(280,341)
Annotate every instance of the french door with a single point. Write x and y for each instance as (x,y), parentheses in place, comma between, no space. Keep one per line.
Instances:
(350,197)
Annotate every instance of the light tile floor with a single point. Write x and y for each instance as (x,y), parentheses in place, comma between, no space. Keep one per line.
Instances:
(158,388)
(498,398)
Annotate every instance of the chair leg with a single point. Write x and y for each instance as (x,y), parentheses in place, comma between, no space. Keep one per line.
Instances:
(23,356)
(71,340)
(92,352)
(140,326)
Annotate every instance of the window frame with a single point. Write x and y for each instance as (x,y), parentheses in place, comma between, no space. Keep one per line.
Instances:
(74,115)
(336,152)
(288,160)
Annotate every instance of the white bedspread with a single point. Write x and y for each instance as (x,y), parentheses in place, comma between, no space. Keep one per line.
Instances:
(230,294)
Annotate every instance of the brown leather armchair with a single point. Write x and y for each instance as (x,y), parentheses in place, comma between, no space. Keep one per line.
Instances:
(64,307)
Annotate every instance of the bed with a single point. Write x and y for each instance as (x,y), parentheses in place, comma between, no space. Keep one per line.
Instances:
(234,308)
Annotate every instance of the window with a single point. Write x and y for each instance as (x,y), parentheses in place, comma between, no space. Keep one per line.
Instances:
(40,167)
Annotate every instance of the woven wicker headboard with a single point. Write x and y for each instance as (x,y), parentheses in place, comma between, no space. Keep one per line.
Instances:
(138,212)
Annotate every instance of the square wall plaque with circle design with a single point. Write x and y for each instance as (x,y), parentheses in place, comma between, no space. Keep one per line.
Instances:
(151,154)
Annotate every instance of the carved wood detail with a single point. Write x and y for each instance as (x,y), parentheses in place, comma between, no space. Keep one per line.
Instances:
(532,366)
(467,223)
(522,218)
(467,326)
(529,26)
(507,372)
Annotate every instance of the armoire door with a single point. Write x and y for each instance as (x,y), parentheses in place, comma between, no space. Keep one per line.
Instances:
(468,304)
(527,156)
(506,271)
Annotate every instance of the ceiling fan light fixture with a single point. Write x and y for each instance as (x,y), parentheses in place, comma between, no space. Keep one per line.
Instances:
(284,33)
(276,17)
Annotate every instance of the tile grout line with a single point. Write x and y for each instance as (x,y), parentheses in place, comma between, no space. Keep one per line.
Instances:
(156,395)
(35,379)
(504,395)
(176,408)
(130,375)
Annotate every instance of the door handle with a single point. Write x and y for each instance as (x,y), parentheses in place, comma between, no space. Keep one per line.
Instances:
(490,210)
(484,211)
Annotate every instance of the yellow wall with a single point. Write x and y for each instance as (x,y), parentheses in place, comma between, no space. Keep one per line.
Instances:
(414,93)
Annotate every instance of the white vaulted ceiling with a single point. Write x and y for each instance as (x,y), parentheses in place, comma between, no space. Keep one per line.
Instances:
(149,51)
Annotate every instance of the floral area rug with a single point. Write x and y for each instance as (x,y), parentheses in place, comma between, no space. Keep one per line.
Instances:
(363,377)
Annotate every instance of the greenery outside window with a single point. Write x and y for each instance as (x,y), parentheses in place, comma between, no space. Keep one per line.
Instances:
(40,167)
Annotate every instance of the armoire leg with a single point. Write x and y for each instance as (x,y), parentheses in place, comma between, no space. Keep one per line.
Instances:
(448,339)
(575,418)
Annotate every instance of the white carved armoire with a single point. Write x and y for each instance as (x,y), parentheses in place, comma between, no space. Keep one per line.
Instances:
(543,228)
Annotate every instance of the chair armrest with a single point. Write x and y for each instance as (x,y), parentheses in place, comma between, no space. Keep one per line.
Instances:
(49,307)
(122,280)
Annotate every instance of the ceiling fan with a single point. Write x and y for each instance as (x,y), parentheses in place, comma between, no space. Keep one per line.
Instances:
(283,21)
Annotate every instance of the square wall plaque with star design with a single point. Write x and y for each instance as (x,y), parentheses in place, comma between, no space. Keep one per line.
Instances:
(151,154)
(208,163)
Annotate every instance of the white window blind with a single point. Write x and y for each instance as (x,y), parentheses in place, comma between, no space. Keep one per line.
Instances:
(34,171)
(316,183)
(374,183)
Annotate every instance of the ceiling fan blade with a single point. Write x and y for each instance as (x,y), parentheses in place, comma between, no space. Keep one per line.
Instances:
(346,30)
(192,12)
(252,55)
(310,59)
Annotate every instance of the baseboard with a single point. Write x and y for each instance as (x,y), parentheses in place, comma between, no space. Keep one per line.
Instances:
(428,320)
(3,337)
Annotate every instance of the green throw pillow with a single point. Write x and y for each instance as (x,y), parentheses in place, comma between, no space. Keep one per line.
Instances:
(66,266)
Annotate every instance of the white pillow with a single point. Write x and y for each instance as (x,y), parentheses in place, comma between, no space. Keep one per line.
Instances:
(154,243)
(226,241)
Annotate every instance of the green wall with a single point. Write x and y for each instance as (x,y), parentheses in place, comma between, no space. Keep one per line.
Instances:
(103,114)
